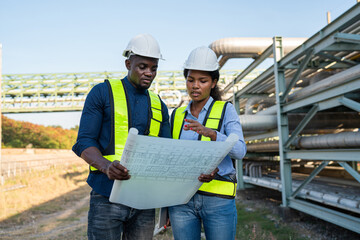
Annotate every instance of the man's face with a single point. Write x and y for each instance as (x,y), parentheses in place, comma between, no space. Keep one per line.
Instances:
(142,70)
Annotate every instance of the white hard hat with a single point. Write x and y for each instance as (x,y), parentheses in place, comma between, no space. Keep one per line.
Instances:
(144,45)
(202,58)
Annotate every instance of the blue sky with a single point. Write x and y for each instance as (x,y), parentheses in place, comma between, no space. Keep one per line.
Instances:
(40,36)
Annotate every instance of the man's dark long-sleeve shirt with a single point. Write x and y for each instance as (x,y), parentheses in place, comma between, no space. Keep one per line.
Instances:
(95,125)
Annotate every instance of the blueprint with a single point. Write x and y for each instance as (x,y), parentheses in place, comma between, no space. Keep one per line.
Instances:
(164,172)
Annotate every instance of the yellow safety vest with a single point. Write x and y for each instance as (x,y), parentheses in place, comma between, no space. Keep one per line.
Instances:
(213,119)
(120,117)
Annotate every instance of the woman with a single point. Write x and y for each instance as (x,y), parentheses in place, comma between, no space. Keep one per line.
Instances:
(207,118)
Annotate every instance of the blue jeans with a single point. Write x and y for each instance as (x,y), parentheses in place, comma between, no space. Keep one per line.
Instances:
(218,215)
(108,221)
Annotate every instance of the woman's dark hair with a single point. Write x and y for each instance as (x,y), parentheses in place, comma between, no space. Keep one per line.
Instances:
(215,92)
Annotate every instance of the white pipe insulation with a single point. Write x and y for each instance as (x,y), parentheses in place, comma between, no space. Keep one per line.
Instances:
(332,81)
(242,47)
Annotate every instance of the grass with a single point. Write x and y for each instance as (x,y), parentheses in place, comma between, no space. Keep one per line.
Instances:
(261,224)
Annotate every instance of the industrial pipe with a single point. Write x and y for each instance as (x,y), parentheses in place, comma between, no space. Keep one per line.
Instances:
(249,47)
(259,102)
(334,80)
(338,140)
(322,120)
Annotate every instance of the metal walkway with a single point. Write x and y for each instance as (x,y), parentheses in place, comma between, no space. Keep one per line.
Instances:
(22,93)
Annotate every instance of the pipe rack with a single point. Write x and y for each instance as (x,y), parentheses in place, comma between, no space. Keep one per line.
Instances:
(321,77)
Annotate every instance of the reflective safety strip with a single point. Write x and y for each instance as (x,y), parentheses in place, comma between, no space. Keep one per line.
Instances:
(156,114)
(213,121)
(178,121)
(218,187)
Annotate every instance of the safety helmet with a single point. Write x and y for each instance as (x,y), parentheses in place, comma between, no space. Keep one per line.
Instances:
(144,45)
(202,58)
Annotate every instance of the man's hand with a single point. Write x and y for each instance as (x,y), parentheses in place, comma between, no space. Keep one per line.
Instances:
(208,177)
(116,171)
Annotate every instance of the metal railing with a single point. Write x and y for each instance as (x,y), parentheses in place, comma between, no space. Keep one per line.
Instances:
(68,91)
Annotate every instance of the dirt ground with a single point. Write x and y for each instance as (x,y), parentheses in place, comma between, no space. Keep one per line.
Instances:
(65,215)
(70,222)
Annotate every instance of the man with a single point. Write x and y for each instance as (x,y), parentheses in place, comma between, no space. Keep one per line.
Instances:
(110,110)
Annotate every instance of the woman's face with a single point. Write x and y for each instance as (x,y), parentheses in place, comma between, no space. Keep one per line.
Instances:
(199,85)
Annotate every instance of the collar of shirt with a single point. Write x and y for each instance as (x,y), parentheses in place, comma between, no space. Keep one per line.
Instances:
(133,89)
(205,108)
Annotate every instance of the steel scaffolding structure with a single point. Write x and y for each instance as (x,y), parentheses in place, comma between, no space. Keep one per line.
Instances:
(334,49)
(67,91)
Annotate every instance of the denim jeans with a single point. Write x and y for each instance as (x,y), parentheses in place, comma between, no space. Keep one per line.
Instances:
(108,221)
(218,215)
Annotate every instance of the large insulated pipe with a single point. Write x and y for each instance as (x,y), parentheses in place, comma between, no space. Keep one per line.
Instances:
(268,111)
(270,146)
(340,140)
(249,47)
(260,102)
(322,120)
(334,80)
(337,140)
(258,123)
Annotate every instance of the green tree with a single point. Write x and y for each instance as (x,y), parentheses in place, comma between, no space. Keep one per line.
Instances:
(19,134)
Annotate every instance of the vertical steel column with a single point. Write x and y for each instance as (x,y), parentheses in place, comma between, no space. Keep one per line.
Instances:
(239,171)
(237,105)
(282,120)
(236,101)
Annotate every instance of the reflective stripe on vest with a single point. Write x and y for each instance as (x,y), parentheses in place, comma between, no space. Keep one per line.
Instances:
(156,114)
(121,118)
(213,120)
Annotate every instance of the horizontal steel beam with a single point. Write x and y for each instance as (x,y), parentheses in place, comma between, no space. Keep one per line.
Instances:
(341,219)
(349,47)
(347,37)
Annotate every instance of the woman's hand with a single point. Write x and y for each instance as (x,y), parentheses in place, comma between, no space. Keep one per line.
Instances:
(200,129)
(208,177)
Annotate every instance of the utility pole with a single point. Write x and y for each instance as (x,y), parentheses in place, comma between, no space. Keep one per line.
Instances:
(328,17)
